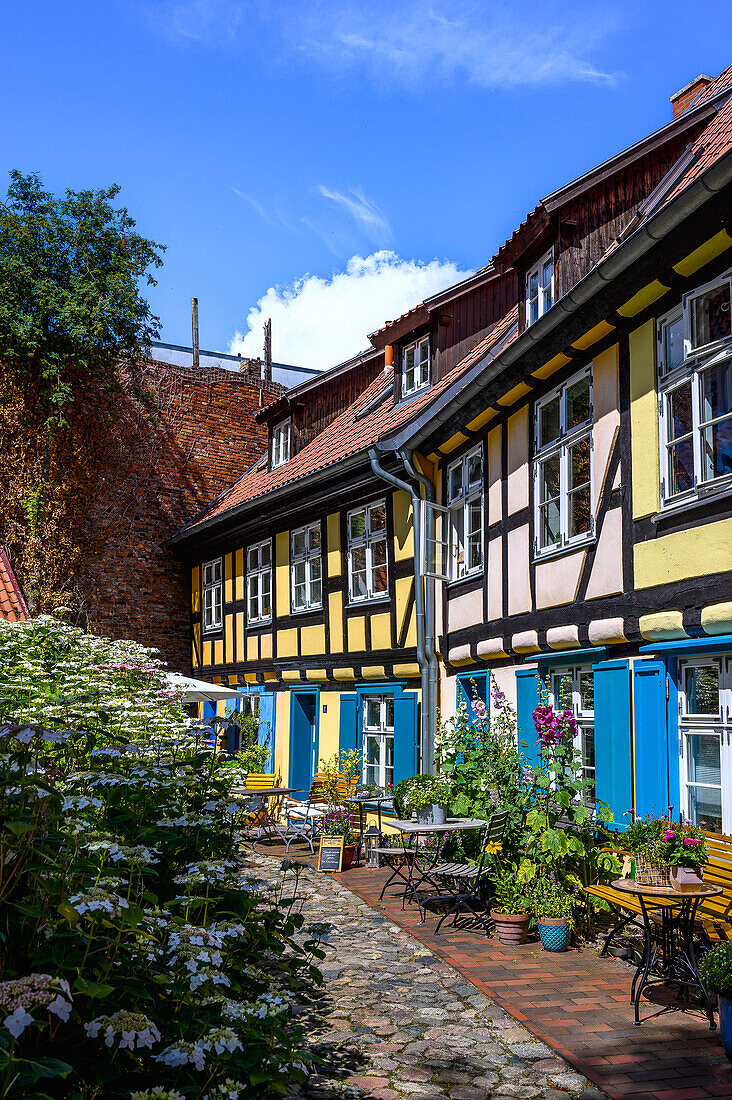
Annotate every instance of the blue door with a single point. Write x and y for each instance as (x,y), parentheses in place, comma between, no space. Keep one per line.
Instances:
(303,740)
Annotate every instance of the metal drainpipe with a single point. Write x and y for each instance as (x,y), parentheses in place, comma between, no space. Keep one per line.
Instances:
(429,610)
(418,603)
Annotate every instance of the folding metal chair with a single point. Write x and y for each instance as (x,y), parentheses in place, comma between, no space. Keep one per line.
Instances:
(464,881)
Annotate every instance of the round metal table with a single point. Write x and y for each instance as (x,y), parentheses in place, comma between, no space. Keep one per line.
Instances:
(669,954)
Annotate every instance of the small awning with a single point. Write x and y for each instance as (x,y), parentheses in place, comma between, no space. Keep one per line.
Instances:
(199,691)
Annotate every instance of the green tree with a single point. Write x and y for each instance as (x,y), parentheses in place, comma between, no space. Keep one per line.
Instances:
(73,326)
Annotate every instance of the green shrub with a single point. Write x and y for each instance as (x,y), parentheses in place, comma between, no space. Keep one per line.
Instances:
(549,900)
(716,969)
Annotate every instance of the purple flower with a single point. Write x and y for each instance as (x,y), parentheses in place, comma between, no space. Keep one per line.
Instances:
(692,841)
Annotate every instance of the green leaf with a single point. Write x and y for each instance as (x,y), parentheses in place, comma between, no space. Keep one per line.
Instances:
(92,989)
(68,912)
(32,1070)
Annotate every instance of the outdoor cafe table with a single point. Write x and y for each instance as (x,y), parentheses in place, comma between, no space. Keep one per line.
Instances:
(259,801)
(416,829)
(669,954)
(372,800)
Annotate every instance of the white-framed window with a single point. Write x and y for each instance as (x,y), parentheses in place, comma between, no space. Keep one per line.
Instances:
(695,393)
(416,366)
(464,493)
(306,568)
(213,594)
(564,506)
(540,288)
(368,577)
(705,741)
(378,740)
(574,689)
(281,443)
(259,582)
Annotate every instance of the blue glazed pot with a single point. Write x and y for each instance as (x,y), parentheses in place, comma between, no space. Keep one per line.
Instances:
(724,1006)
(554,934)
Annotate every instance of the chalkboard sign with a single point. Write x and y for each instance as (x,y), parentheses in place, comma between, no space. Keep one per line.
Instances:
(331,853)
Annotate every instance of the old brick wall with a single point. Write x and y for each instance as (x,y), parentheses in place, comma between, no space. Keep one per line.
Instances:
(168,454)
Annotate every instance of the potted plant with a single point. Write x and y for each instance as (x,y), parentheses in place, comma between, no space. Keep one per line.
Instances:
(429,796)
(511,902)
(643,839)
(553,907)
(716,970)
(666,854)
(339,822)
(687,853)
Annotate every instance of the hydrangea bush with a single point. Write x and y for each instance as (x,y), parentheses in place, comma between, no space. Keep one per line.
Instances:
(137,958)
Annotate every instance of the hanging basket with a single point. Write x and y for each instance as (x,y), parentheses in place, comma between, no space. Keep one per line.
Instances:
(651,874)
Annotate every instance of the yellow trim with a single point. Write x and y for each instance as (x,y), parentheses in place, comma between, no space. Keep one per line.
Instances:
(312,640)
(287,642)
(381,632)
(265,647)
(240,645)
(316,674)
(195,589)
(482,419)
(552,366)
(515,394)
(403,526)
(644,298)
(252,647)
(406,670)
(597,333)
(228,588)
(357,635)
(239,575)
(290,674)
(644,422)
(219,652)
(206,655)
(250,677)
(699,552)
(229,639)
(453,442)
(403,586)
(717,244)
(335,612)
(373,672)
(662,626)
(282,573)
(716,618)
(333,535)
(269,676)
(344,674)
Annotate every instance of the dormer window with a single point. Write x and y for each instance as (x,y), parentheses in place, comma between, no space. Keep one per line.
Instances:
(280,444)
(416,366)
(540,288)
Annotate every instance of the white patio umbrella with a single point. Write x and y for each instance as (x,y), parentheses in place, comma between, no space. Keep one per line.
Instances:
(200,691)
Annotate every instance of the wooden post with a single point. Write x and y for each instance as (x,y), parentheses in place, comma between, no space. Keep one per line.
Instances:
(268,349)
(194,332)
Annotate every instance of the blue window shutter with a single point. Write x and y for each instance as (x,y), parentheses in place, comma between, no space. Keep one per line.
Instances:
(651,741)
(405,736)
(527,700)
(348,736)
(613,773)
(267,703)
(472,686)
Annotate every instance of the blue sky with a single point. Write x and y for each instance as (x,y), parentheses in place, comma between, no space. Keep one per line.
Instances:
(336,161)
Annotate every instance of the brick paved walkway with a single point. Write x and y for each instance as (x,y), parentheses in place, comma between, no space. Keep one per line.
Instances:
(578,1004)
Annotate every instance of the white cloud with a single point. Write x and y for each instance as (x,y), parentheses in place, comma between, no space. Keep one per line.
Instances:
(364,212)
(319,322)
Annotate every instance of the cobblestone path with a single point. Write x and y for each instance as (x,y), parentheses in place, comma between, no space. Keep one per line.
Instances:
(395,1022)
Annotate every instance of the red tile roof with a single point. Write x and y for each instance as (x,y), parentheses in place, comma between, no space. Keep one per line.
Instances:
(12,605)
(354,431)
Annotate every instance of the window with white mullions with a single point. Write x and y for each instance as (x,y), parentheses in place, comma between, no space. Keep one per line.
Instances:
(705,741)
(281,443)
(259,582)
(564,496)
(540,288)
(212,595)
(465,514)
(306,568)
(378,740)
(368,577)
(574,689)
(416,366)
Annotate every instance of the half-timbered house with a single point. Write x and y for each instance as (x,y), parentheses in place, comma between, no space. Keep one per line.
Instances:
(530,475)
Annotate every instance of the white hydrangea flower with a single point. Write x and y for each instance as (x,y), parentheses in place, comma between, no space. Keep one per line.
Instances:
(18,1021)
(136,1031)
(183,1054)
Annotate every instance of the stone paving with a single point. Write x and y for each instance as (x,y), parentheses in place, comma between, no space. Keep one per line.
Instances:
(396,1022)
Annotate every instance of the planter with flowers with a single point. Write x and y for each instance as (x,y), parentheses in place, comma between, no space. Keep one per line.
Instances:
(511,901)
(553,906)
(667,854)
(429,796)
(340,823)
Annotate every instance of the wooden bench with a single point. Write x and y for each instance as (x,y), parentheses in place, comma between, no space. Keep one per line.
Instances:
(714,915)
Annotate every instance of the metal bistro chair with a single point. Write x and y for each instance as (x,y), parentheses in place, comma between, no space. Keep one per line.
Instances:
(463,881)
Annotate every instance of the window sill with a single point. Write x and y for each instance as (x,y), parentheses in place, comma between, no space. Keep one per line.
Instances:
(208,631)
(467,579)
(690,504)
(561,551)
(254,624)
(368,602)
(303,612)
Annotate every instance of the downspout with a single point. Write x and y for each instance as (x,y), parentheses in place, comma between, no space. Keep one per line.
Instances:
(429,609)
(418,602)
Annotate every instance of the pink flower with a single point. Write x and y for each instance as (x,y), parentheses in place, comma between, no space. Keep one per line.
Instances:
(669,835)
(691,841)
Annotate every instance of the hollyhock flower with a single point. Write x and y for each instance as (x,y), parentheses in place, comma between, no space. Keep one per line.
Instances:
(692,841)
(669,835)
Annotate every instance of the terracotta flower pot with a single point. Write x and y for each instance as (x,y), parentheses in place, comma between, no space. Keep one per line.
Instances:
(686,879)
(511,928)
(349,854)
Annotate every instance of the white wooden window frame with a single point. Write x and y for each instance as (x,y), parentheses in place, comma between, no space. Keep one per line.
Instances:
(717,726)
(545,293)
(421,373)
(381,734)
(259,582)
(459,505)
(670,379)
(584,716)
(562,446)
(310,560)
(212,573)
(367,540)
(281,433)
